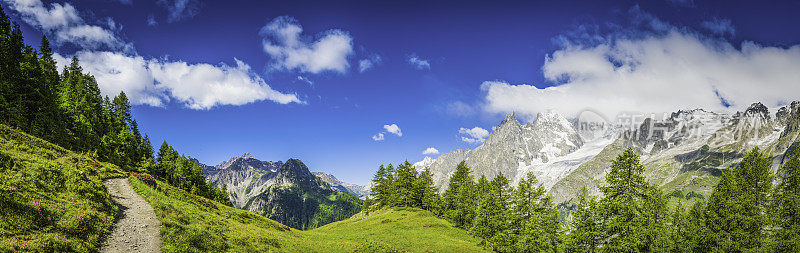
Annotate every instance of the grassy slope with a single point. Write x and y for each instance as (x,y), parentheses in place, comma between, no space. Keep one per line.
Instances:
(191,223)
(51,199)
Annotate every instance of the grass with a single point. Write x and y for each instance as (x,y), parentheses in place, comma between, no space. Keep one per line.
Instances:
(195,224)
(51,199)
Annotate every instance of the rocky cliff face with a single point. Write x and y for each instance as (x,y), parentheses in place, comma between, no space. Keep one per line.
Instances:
(360,191)
(286,192)
(687,151)
(244,177)
(514,149)
(299,199)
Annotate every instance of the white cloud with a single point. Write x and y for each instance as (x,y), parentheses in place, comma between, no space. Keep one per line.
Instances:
(655,72)
(366,64)
(117,72)
(289,50)
(178,10)
(473,135)
(393,128)
(418,63)
(430,151)
(377,137)
(719,26)
(62,24)
(197,86)
(146,81)
(203,86)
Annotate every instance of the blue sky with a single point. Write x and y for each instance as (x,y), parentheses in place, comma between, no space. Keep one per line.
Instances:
(348,85)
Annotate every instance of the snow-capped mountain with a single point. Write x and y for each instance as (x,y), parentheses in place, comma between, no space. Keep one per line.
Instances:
(515,149)
(686,151)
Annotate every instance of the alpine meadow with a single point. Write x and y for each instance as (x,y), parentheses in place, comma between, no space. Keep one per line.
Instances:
(399,126)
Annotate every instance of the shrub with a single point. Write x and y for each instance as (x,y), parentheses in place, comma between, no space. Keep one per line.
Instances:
(146,179)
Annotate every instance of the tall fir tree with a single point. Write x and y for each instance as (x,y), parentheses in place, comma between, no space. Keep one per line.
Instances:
(405,193)
(491,222)
(534,219)
(426,192)
(459,197)
(630,206)
(786,207)
(587,228)
(736,211)
(378,190)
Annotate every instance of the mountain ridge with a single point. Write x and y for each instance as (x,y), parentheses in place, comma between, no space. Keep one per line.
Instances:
(287,192)
(685,151)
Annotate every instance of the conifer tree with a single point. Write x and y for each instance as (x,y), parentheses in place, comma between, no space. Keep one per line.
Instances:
(378,186)
(405,193)
(691,235)
(631,207)
(587,229)
(534,219)
(491,222)
(459,197)
(736,209)
(426,192)
(786,208)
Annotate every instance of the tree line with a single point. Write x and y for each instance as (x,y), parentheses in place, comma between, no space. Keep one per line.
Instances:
(64,108)
(185,173)
(68,109)
(749,210)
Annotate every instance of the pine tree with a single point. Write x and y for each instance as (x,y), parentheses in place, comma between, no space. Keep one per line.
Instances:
(406,186)
(690,232)
(52,116)
(378,190)
(390,184)
(459,197)
(633,211)
(587,229)
(491,222)
(426,192)
(534,219)
(736,214)
(786,208)
(652,222)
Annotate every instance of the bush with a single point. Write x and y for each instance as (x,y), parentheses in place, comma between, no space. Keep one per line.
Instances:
(146,179)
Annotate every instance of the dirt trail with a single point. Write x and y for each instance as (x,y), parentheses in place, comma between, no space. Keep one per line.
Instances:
(137,226)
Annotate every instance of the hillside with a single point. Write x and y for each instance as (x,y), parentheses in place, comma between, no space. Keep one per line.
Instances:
(193,223)
(51,199)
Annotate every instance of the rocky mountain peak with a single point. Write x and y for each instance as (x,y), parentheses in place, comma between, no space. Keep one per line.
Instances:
(552,117)
(246,156)
(511,117)
(295,171)
(757,109)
